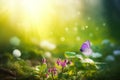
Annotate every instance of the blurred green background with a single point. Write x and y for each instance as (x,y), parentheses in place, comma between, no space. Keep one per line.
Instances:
(49,28)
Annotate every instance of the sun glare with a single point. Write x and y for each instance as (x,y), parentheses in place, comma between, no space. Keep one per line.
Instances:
(33,16)
(35,10)
(36,15)
(39,16)
(28,10)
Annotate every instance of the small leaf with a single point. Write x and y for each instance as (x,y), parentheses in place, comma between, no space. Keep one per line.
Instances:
(78,64)
(43,68)
(37,69)
(79,56)
(70,54)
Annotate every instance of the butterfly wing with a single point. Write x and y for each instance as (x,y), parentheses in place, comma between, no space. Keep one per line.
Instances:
(88,43)
(85,45)
(85,48)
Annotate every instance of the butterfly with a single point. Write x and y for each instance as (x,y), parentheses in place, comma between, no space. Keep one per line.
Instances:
(86,48)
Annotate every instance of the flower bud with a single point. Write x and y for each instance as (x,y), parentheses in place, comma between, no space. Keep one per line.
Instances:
(66,61)
(54,69)
(55,72)
(49,70)
(44,61)
(46,75)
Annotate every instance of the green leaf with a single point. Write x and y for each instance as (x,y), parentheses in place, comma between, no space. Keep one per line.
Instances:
(70,54)
(79,56)
(78,65)
(38,67)
(43,68)
(60,75)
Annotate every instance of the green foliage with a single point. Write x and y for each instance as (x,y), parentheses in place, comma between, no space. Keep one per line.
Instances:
(70,54)
(41,68)
(77,66)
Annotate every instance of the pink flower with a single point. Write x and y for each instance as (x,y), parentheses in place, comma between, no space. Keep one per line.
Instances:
(49,70)
(59,61)
(44,61)
(46,75)
(63,64)
(52,70)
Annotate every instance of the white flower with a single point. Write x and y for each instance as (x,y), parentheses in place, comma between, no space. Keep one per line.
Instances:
(16,53)
(96,55)
(116,52)
(110,58)
(112,44)
(47,45)
(105,41)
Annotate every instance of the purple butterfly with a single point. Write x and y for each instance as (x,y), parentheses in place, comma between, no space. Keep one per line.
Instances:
(85,48)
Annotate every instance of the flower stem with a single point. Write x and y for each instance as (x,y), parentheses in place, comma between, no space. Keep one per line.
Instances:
(52,77)
(62,69)
(76,73)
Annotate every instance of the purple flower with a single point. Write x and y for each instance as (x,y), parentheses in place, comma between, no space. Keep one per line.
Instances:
(54,69)
(85,48)
(50,70)
(63,64)
(58,61)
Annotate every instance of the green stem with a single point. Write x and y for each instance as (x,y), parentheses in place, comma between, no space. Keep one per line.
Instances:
(52,77)
(76,73)
(62,69)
